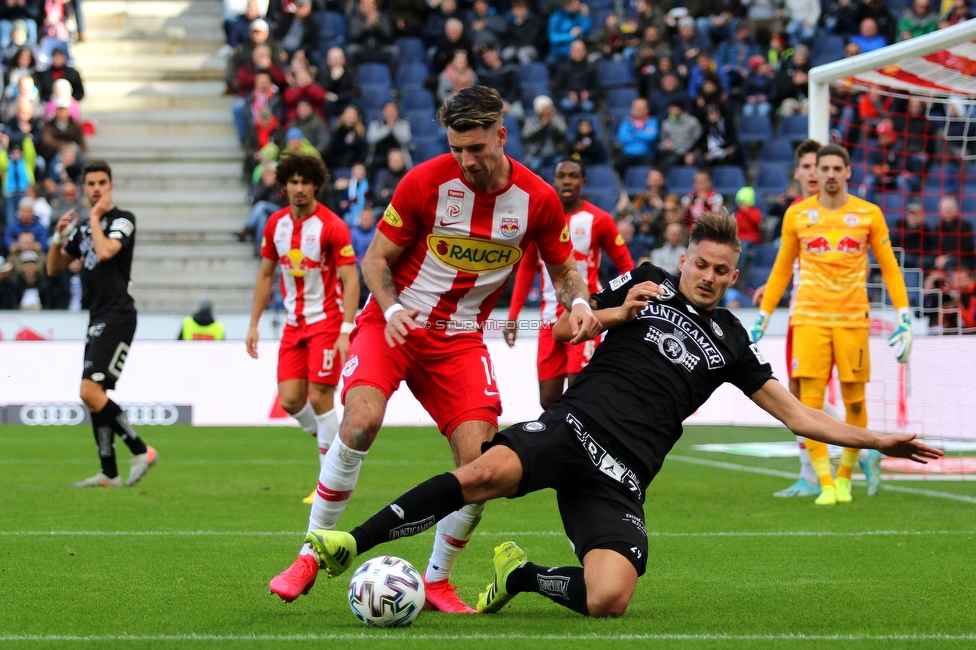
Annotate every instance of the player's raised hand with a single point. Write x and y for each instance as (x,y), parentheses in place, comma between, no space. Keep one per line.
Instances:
(251,341)
(906,446)
(585,324)
(901,340)
(759,327)
(758,294)
(637,298)
(399,326)
(102,205)
(510,332)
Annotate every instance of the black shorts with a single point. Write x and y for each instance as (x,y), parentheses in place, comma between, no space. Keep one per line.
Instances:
(106,348)
(600,499)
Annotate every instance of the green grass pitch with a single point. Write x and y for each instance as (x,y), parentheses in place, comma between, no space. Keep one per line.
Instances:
(184,558)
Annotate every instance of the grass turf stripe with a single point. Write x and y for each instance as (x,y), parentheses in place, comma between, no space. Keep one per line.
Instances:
(402,635)
(521,533)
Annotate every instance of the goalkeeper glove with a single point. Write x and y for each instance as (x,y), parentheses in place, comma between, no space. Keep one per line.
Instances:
(759,328)
(901,340)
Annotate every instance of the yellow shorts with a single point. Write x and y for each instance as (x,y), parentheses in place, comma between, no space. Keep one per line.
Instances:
(816,349)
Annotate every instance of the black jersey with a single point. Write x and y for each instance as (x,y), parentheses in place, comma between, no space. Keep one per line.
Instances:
(650,374)
(105,285)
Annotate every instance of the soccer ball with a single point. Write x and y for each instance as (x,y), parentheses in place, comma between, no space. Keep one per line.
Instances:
(386,592)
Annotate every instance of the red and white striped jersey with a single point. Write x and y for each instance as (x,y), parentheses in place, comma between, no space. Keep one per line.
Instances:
(461,244)
(309,253)
(592,232)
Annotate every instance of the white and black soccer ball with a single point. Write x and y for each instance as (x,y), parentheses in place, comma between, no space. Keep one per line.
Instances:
(386,591)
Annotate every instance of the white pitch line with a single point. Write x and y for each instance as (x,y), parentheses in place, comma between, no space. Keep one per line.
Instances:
(791,475)
(520,533)
(400,635)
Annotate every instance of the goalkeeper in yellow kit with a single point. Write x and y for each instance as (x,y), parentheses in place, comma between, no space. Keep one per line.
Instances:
(831,233)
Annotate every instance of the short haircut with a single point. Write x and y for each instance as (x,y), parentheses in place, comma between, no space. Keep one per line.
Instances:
(310,168)
(96,166)
(834,150)
(704,170)
(574,162)
(805,147)
(471,108)
(717,228)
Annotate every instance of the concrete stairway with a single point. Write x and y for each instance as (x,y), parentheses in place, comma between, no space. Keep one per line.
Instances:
(154,84)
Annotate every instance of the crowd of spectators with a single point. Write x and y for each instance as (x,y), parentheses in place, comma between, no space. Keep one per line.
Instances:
(42,149)
(673,106)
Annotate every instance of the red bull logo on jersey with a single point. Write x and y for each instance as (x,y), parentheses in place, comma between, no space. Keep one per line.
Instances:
(509,227)
(471,254)
(819,244)
(297,264)
(848,244)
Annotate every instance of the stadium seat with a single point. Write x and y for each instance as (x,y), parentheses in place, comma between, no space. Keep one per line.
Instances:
(794,128)
(756,276)
(777,151)
(532,90)
(827,48)
(893,204)
(930,207)
(374,97)
(600,178)
(858,171)
(411,75)
(427,148)
(771,179)
(514,149)
(332,29)
(411,50)
(421,100)
(423,125)
(755,128)
(944,178)
(614,73)
(547,172)
(605,200)
(374,75)
(534,73)
(48,45)
(764,255)
(635,179)
(681,180)
(619,99)
(340,172)
(728,179)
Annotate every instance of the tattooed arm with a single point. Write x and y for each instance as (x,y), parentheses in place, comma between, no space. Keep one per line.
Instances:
(574,296)
(377,262)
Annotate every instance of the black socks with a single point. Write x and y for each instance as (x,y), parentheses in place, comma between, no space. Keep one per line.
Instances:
(105,441)
(412,513)
(562,585)
(115,417)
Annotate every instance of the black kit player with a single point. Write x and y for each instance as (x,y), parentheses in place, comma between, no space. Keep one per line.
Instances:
(105,246)
(669,347)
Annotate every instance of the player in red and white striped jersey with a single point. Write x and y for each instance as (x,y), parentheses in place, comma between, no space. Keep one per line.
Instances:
(320,285)
(447,243)
(592,232)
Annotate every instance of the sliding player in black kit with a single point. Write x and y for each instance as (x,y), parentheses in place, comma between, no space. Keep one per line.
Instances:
(105,245)
(599,446)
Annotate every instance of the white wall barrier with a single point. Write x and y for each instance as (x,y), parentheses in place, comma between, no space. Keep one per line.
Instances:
(224,386)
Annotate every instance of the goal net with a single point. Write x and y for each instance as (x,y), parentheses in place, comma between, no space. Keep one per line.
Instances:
(907,115)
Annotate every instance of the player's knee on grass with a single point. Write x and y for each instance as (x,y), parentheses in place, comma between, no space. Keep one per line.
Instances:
(550,390)
(362,418)
(610,582)
(322,397)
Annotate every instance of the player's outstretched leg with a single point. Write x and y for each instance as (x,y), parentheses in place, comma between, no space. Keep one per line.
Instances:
(871,466)
(508,558)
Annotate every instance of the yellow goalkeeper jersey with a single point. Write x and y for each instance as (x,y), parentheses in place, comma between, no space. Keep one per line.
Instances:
(833,249)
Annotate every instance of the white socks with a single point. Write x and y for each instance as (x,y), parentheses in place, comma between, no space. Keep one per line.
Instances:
(327,428)
(453,533)
(337,479)
(306,418)
(807,472)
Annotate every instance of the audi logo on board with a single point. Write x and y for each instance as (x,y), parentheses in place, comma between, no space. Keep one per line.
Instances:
(67,414)
(48,415)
